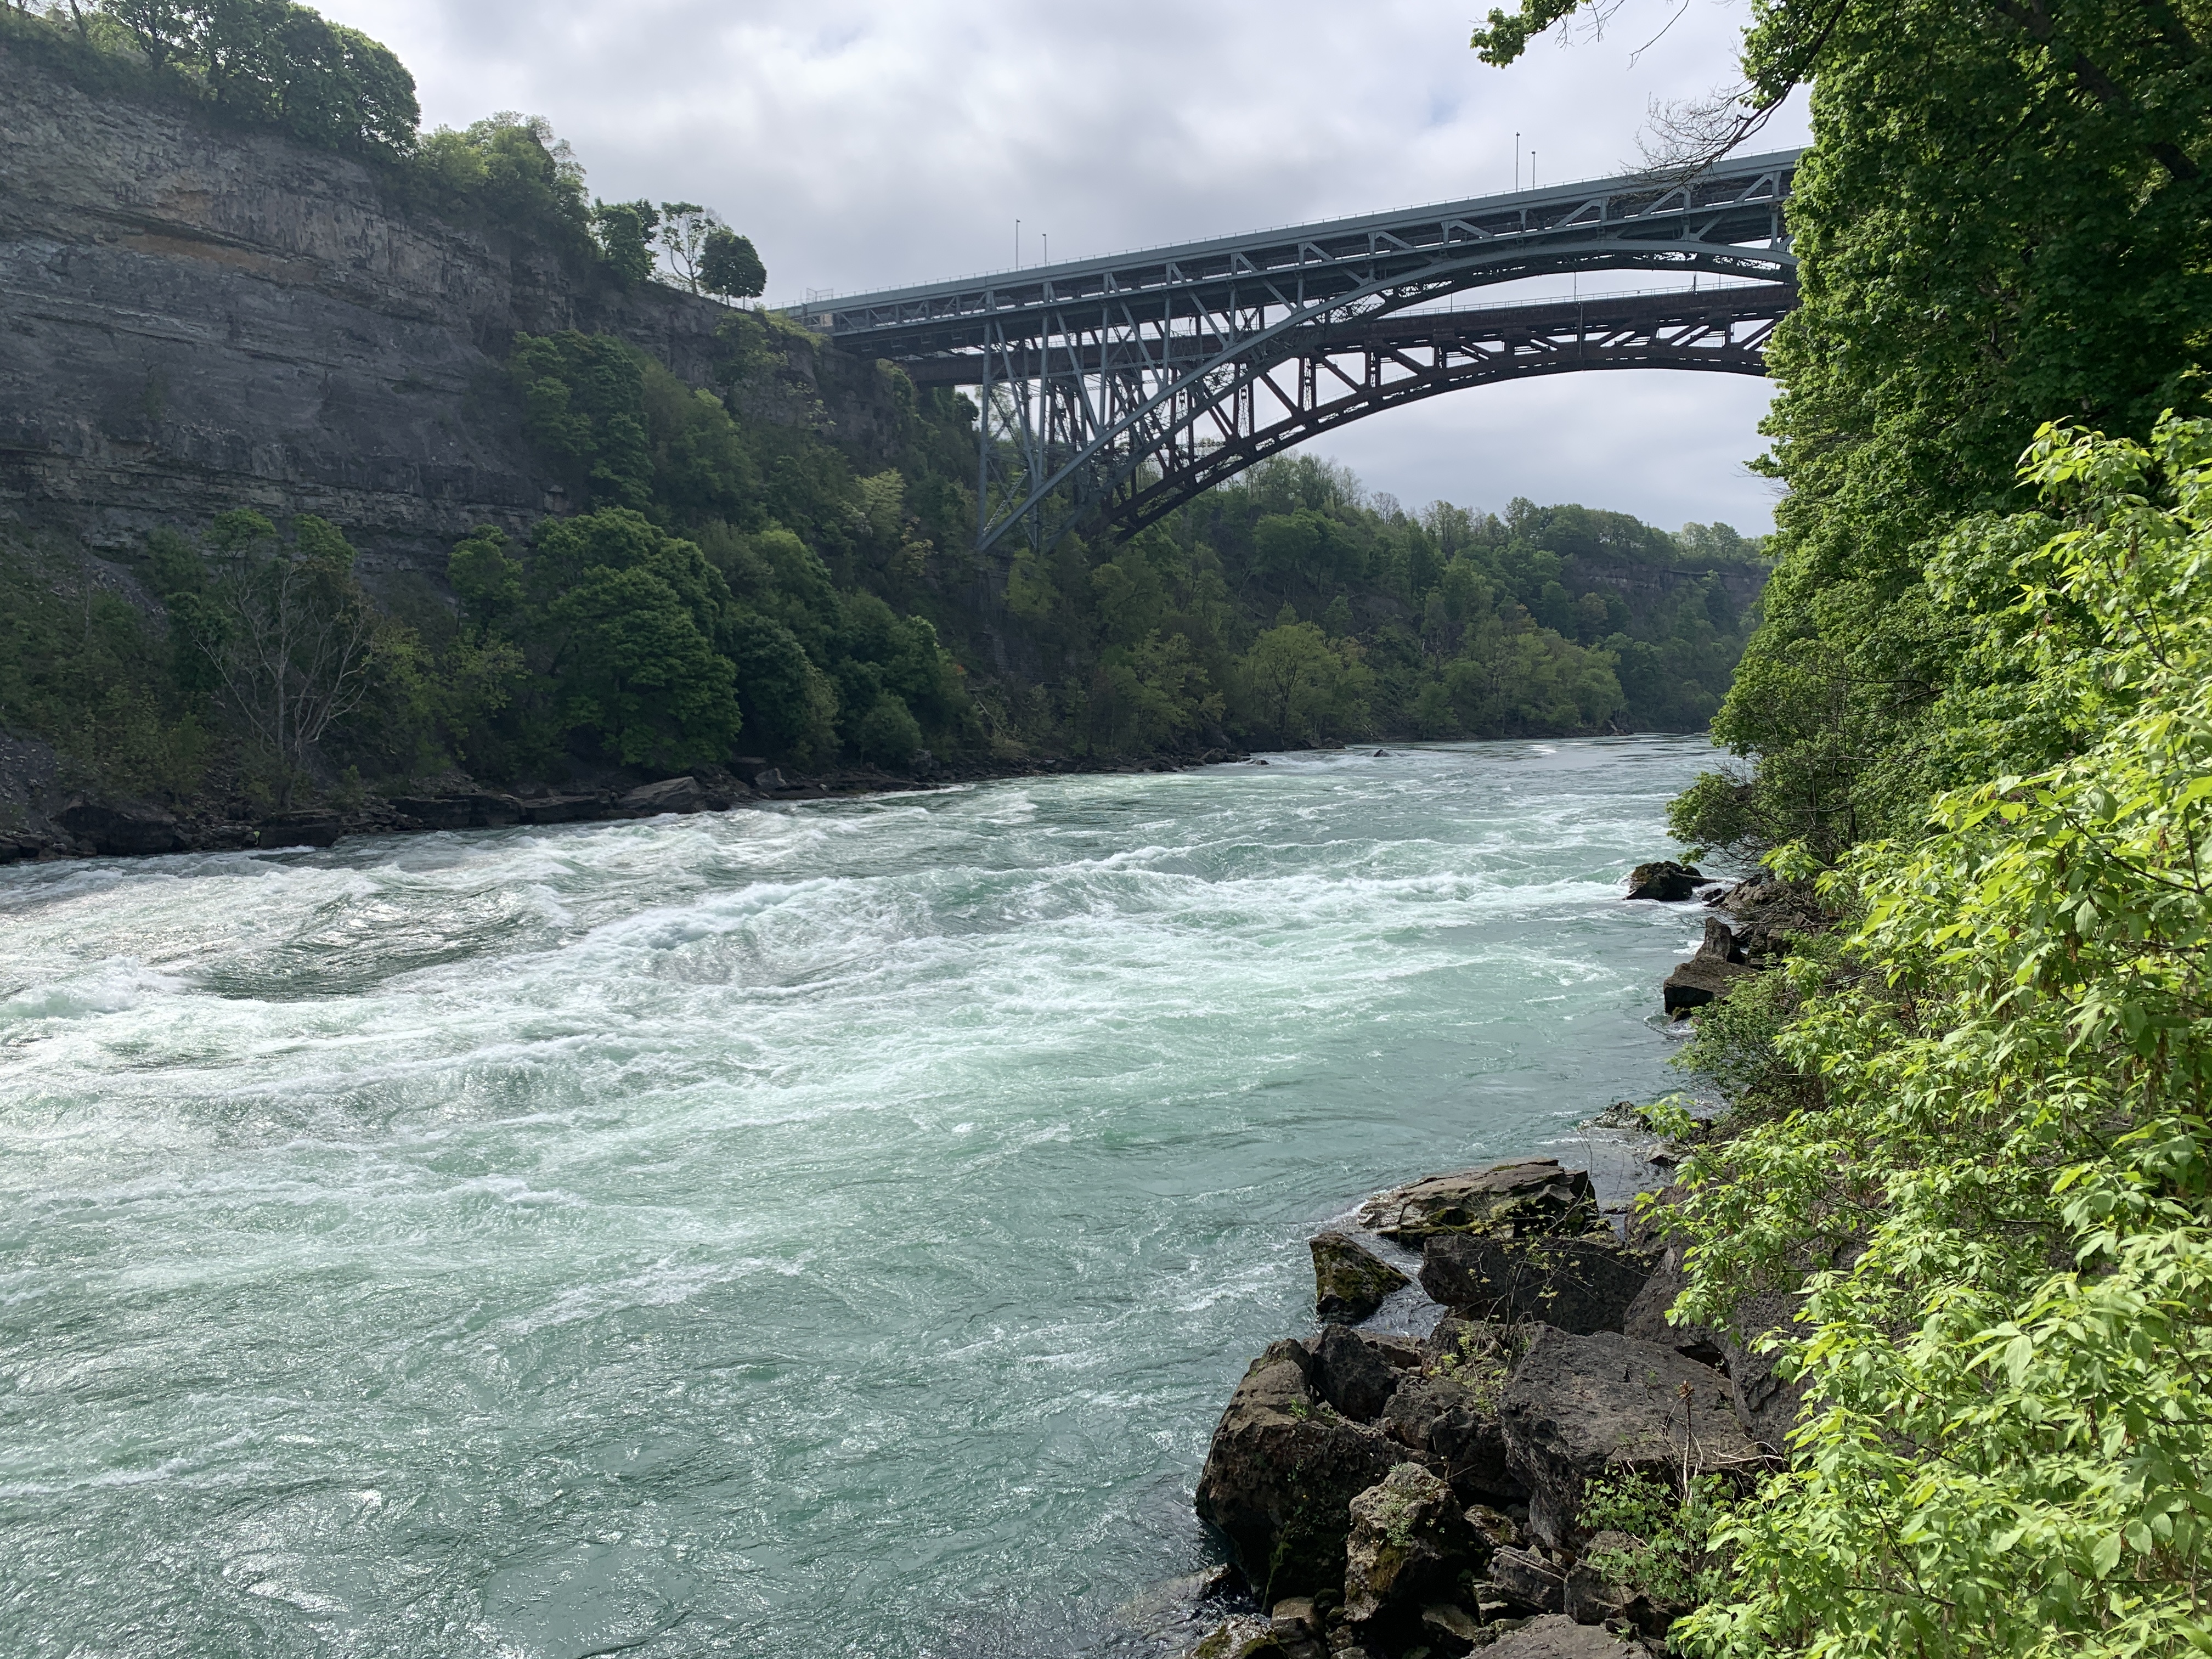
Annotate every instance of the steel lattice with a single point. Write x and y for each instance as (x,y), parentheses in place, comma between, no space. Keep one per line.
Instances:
(1118,388)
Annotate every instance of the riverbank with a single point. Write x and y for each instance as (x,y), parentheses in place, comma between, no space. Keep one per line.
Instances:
(1496,1440)
(41,818)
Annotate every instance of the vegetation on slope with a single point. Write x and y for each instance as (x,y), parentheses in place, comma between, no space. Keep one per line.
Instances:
(779,563)
(1969,1136)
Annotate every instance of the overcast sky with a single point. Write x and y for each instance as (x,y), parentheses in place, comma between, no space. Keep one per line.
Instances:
(865,144)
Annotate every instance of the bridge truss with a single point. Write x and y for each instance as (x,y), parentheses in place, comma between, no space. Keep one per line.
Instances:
(1114,390)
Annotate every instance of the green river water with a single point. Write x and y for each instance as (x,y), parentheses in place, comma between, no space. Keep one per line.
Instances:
(826,1229)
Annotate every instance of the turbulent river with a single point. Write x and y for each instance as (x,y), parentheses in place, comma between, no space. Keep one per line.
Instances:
(826,1229)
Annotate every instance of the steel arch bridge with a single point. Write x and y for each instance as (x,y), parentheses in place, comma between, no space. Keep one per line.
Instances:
(1117,389)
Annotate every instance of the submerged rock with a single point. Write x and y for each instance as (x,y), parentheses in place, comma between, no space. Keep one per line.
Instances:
(308,827)
(1350,1280)
(563,809)
(1580,1283)
(1280,1475)
(1666,881)
(1527,1195)
(433,811)
(1579,1407)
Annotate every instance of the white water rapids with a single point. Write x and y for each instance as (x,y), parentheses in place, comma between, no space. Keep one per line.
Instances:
(823,1230)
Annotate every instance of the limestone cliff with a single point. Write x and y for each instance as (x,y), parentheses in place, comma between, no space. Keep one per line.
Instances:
(194,317)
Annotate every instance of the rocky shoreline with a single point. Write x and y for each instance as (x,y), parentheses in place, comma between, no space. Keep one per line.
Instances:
(1474,1482)
(47,821)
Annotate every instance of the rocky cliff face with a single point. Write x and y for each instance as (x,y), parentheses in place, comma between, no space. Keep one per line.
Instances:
(194,317)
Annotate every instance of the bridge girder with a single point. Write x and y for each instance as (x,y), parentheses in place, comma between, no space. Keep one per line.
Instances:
(1119,388)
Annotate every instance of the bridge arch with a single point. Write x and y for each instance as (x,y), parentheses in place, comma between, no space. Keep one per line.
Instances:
(1117,389)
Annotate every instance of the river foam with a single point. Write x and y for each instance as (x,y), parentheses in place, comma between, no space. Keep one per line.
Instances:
(824,1230)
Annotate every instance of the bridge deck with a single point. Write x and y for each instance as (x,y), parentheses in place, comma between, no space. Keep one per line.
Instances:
(1613,223)
(1506,329)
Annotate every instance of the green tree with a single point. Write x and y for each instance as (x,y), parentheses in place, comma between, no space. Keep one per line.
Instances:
(888,734)
(625,230)
(1298,687)
(790,705)
(510,171)
(2002,217)
(730,266)
(583,398)
(638,676)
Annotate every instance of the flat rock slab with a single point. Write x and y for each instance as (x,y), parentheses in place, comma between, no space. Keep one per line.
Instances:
(1557,1637)
(1577,1407)
(1529,1194)
(302,829)
(1350,1280)
(1579,1284)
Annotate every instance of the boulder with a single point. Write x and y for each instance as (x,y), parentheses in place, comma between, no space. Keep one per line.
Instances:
(1450,1628)
(1708,976)
(1593,1596)
(309,827)
(1666,881)
(1449,1414)
(1578,1406)
(1765,1404)
(1623,1115)
(1296,1619)
(1580,1283)
(768,778)
(669,795)
(1527,1580)
(1528,1194)
(1699,981)
(1558,1637)
(1247,1636)
(1719,943)
(1646,1318)
(118,827)
(1407,1543)
(1281,1473)
(1356,1373)
(1350,1280)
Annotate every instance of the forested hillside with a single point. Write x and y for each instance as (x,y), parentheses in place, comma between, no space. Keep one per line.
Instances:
(765,550)
(1963,1195)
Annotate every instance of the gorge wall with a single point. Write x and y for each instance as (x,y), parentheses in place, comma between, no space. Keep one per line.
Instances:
(200,318)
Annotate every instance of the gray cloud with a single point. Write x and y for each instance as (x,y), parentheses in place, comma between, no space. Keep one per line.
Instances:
(864,143)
